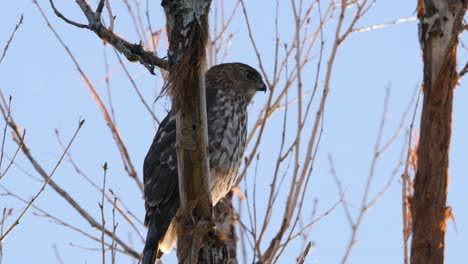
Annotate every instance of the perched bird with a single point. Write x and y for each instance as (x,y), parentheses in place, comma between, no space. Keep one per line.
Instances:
(230,87)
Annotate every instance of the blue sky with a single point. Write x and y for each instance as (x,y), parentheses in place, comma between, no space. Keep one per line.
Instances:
(48,94)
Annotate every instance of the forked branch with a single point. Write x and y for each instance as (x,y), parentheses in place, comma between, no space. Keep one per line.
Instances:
(133,52)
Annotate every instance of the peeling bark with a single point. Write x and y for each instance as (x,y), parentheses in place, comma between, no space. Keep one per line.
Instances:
(439,27)
(226,224)
(187,27)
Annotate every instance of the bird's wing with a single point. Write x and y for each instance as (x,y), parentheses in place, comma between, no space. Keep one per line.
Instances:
(160,178)
(160,168)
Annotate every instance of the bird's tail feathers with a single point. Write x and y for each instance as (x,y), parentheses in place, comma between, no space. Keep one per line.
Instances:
(151,245)
(158,227)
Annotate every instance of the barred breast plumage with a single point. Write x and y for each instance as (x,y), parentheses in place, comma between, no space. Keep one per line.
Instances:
(229,89)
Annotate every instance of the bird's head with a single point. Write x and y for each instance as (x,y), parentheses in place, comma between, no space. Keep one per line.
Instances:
(239,78)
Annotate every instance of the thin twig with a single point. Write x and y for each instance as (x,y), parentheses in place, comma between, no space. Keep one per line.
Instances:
(302,257)
(114,229)
(134,20)
(57,254)
(5,214)
(59,221)
(154,43)
(47,181)
(107,80)
(379,26)
(111,16)
(128,165)
(133,52)
(5,49)
(123,210)
(463,71)
(379,149)
(135,87)
(406,182)
(4,131)
(12,160)
(254,45)
(103,220)
(126,248)
(99,9)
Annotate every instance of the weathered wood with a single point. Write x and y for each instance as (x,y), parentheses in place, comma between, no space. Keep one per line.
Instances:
(225,220)
(187,27)
(439,29)
(192,151)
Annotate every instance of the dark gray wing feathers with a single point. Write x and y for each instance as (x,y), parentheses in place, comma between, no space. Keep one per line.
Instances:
(161,186)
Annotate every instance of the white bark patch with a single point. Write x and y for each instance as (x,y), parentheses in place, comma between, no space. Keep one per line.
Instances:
(193,9)
(184,32)
(430,21)
(190,10)
(440,33)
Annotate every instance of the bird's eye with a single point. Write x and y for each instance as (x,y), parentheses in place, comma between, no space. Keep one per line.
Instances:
(250,75)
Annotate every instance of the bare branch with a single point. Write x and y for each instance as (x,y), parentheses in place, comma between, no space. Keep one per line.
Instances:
(4,132)
(5,214)
(301,259)
(57,220)
(463,71)
(57,254)
(12,160)
(133,52)
(139,30)
(99,9)
(379,26)
(114,229)
(123,210)
(101,206)
(60,15)
(406,182)
(47,181)
(24,148)
(20,22)
(111,16)
(154,36)
(143,101)
(107,80)
(115,133)
(254,45)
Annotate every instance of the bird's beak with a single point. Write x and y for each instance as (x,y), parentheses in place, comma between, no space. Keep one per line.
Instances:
(262,88)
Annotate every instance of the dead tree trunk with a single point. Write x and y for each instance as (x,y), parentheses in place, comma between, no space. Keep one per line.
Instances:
(439,27)
(187,27)
(225,220)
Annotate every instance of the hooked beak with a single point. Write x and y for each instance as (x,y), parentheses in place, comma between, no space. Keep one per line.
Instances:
(262,88)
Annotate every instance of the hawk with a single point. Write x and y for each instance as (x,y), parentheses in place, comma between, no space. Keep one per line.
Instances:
(230,88)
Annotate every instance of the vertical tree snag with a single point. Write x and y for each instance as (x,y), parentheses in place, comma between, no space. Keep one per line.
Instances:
(439,27)
(225,220)
(187,27)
